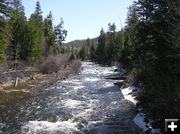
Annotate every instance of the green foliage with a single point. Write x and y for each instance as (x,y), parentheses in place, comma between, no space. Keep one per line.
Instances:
(131,27)
(18,7)
(4,9)
(111,42)
(92,52)
(129,37)
(17,26)
(36,35)
(37,16)
(36,38)
(84,53)
(156,54)
(4,30)
(49,34)
(60,32)
(4,41)
(28,40)
(100,50)
(109,45)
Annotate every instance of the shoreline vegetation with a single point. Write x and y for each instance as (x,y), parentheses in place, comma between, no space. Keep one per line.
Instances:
(27,78)
(39,77)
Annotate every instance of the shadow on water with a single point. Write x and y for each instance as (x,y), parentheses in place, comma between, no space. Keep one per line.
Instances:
(107,90)
(116,122)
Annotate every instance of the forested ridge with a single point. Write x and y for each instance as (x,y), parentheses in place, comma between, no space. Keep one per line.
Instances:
(148,47)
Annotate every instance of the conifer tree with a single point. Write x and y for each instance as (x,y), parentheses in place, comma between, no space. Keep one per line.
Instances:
(4,30)
(18,7)
(60,32)
(111,43)
(92,52)
(4,40)
(17,24)
(36,41)
(49,34)
(101,48)
(36,34)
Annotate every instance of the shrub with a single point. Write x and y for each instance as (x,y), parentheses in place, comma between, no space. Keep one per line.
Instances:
(54,63)
(75,65)
(72,57)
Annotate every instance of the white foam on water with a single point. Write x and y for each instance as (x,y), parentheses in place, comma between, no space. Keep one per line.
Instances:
(71,103)
(78,87)
(108,84)
(127,94)
(72,81)
(75,89)
(34,127)
(86,111)
(92,79)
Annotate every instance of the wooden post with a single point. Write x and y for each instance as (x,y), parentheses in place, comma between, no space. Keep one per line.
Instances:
(16,82)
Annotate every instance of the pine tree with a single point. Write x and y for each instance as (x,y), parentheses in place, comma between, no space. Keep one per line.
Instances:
(4,40)
(111,43)
(49,34)
(84,52)
(131,24)
(101,47)
(92,52)
(60,32)
(18,7)
(36,41)
(4,8)
(36,35)
(4,30)
(130,31)
(17,24)
(38,15)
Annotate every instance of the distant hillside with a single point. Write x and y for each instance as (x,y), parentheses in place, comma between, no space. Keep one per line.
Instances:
(78,43)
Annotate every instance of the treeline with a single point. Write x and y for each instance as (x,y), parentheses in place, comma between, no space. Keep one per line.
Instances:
(107,51)
(149,46)
(28,40)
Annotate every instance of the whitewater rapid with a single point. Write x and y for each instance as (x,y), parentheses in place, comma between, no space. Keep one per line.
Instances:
(86,103)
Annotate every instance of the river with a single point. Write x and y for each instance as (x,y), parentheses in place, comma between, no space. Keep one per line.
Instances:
(86,103)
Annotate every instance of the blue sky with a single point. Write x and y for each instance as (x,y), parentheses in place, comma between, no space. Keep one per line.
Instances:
(83,18)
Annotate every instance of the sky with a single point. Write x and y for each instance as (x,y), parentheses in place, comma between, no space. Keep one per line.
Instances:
(83,18)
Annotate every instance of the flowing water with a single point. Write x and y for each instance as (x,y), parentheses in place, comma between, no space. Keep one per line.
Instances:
(86,103)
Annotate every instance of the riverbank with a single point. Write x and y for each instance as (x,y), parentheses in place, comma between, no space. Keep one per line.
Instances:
(31,79)
(130,92)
